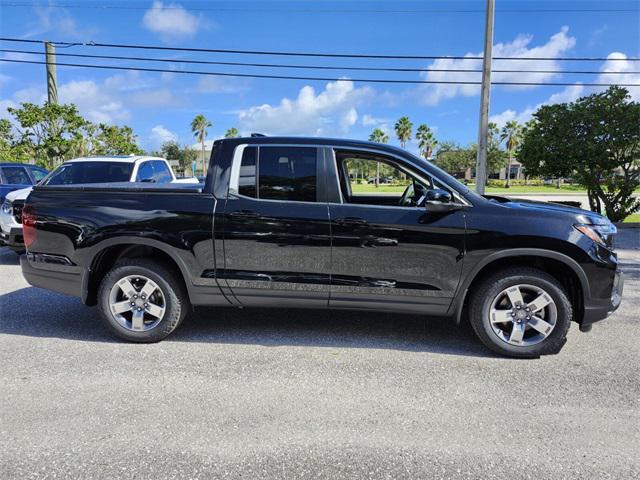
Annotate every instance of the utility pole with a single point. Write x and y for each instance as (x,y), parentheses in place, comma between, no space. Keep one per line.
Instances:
(483,134)
(52,82)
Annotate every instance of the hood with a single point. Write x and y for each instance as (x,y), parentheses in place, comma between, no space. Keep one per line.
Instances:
(21,194)
(587,216)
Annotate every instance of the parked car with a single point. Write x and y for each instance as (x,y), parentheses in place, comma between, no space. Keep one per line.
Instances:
(84,171)
(276,224)
(15,176)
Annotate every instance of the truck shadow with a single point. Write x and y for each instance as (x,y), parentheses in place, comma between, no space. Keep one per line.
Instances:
(35,312)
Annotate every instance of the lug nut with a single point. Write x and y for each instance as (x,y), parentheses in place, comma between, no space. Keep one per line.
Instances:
(146,305)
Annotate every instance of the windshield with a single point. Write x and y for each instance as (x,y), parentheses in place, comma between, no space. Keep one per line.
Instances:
(90,172)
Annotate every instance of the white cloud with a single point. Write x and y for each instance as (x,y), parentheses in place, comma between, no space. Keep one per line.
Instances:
(519,47)
(160,135)
(162,97)
(617,62)
(171,21)
(55,19)
(95,102)
(332,111)
(211,84)
(569,94)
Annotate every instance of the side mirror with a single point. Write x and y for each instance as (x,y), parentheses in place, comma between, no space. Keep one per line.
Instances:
(437,200)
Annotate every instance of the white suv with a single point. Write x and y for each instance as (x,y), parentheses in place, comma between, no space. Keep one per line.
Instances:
(85,170)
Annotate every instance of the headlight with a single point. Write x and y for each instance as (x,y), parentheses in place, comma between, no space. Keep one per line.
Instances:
(7,208)
(598,233)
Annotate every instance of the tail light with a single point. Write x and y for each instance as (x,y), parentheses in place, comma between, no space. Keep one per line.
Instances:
(29,230)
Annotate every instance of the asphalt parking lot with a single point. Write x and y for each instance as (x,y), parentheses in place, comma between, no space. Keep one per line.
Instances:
(308,394)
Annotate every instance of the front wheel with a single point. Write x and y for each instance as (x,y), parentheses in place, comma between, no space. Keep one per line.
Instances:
(141,300)
(521,312)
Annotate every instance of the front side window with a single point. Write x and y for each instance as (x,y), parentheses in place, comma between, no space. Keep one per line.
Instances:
(369,179)
(279,173)
(16,176)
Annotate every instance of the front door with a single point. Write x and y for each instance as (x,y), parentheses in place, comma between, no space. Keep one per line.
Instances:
(276,233)
(388,251)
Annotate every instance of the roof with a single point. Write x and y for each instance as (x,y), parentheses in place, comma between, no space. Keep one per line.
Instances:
(14,164)
(114,158)
(313,141)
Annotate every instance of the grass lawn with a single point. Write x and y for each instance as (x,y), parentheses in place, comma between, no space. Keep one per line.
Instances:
(634,218)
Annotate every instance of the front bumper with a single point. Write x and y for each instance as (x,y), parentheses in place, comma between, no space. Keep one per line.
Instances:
(599,309)
(12,238)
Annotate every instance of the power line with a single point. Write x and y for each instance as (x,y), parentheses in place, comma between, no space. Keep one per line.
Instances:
(315,67)
(320,10)
(309,54)
(324,79)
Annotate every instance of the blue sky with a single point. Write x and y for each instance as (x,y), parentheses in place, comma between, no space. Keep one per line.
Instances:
(160,106)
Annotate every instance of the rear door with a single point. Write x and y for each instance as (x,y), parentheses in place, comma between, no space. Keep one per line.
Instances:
(276,230)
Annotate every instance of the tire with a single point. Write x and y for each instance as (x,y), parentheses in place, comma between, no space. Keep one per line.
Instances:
(496,299)
(162,310)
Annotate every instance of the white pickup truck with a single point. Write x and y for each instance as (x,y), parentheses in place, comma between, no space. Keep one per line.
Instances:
(85,170)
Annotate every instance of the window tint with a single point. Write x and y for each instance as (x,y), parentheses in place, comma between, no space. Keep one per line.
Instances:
(287,173)
(161,172)
(145,172)
(247,180)
(16,176)
(90,172)
(38,174)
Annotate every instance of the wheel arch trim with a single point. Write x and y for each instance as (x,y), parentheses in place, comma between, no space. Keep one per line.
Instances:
(463,289)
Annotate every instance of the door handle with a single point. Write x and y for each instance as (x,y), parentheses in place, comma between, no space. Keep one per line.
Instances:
(352,222)
(244,214)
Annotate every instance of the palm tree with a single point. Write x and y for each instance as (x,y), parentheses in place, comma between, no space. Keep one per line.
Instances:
(403,129)
(427,140)
(512,134)
(378,136)
(232,133)
(199,127)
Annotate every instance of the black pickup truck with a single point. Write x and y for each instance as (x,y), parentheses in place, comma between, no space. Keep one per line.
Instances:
(279,222)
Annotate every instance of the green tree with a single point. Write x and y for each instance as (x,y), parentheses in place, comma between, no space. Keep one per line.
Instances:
(184,155)
(114,140)
(511,133)
(455,159)
(199,127)
(595,139)
(232,133)
(403,128)
(378,136)
(50,133)
(7,141)
(427,140)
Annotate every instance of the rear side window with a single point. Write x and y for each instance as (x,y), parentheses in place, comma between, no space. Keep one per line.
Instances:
(16,176)
(38,174)
(145,172)
(90,172)
(248,179)
(287,173)
(161,172)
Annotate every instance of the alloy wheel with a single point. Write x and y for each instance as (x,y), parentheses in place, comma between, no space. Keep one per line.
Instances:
(137,303)
(523,315)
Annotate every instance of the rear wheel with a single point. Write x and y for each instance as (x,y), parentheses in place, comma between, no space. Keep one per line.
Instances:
(141,300)
(521,312)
